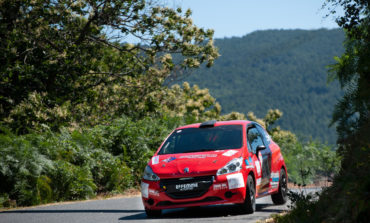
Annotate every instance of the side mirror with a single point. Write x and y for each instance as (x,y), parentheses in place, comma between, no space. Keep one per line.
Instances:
(259,148)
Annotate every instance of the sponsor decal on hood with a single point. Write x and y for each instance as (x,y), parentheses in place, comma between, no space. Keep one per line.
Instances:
(198,156)
(169,159)
(209,162)
(229,153)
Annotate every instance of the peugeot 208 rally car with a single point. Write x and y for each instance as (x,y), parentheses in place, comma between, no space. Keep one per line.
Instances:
(214,163)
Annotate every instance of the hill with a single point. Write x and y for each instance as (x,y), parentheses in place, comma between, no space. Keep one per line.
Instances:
(284,69)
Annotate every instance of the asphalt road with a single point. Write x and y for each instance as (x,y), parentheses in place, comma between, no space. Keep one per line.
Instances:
(132,210)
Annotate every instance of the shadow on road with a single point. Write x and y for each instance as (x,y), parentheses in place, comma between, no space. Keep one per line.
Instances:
(266,208)
(202,212)
(71,211)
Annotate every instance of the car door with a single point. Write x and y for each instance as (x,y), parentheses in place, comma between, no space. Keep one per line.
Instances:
(267,156)
(255,139)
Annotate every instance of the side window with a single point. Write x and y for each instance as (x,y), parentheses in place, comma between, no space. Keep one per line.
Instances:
(266,137)
(254,139)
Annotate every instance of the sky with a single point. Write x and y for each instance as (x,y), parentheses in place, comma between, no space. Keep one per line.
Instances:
(230,18)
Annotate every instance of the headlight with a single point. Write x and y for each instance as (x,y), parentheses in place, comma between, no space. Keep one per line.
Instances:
(149,174)
(232,166)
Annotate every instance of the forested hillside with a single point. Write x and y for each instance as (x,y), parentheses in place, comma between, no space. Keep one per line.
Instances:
(284,69)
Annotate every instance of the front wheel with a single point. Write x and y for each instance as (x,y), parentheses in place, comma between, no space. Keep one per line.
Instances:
(153,213)
(281,196)
(249,205)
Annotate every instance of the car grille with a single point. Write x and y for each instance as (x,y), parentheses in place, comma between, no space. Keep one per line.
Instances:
(180,188)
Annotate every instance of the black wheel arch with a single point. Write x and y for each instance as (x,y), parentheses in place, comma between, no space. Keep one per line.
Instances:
(286,172)
(254,179)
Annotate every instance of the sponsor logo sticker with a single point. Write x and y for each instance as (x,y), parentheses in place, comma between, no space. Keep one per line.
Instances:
(246,162)
(155,160)
(235,180)
(153,192)
(198,156)
(185,187)
(275,179)
(275,176)
(249,163)
(169,159)
(222,186)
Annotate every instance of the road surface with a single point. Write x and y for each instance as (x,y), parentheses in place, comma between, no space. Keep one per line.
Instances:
(132,210)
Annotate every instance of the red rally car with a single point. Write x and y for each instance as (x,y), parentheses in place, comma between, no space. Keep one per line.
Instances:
(215,162)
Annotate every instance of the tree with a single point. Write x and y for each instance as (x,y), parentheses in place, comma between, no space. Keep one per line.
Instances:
(352,113)
(353,70)
(347,200)
(63,49)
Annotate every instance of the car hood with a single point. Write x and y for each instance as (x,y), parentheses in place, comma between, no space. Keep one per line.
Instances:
(192,164)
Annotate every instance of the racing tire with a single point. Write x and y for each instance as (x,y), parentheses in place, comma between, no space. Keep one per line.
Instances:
(153,213)
(249,205)
(281,196)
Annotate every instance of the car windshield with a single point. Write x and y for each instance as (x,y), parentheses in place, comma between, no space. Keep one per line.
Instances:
(203,139)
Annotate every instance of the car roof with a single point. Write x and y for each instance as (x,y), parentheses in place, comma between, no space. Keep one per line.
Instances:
(217,123)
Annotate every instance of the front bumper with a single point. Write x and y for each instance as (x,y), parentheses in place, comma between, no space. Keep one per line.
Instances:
(228,188)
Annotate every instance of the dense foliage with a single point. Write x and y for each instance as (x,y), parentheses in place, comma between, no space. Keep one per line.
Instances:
(283,69)
(39,168)
(347,200)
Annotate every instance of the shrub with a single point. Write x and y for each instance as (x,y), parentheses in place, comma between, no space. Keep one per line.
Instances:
(46,166)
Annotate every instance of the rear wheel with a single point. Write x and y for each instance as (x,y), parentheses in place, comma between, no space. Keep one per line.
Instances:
(281,196)
(249,205)
(153,213)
